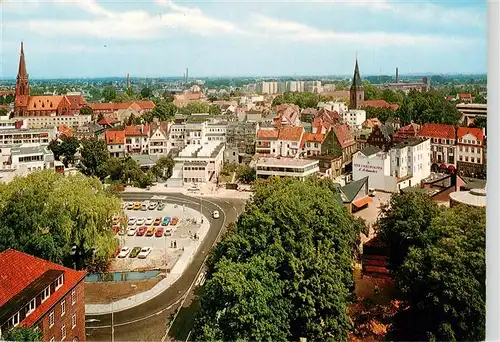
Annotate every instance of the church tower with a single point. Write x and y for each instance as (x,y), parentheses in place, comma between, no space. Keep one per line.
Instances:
(22,87)
(357,92)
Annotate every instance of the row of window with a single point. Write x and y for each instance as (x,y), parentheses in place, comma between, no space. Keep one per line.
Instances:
(472,159)
(472,149)
(63,328)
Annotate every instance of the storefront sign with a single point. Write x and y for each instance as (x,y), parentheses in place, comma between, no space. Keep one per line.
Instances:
(368,168)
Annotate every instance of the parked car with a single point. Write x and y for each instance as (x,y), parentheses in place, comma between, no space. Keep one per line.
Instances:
(130,205)
(166,221)
(116,228)
(140,221)
(141,231)
(168,232)
(174,221)
(132,221)
(117,251)
(124,252)
(159,232)
(153,205)
(372,192)
(149,221)
(131,231)
(157,221)
(215,214)
(137,205)
(135,251)
(144,206)
(150,231)
(161,206)
(144,252)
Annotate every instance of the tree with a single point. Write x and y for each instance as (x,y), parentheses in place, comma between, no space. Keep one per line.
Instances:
(381,113)
(168,97)
(45,214)
(428,107)
(303,100)
(442,281)
(214,110)
(195,107)
(109,93)
(65,147)
(479,121)
(3,112)
(164,111)
(285,271)
(163,168)
(23,334)
(86,110)
(371,92)
(403,223)
(246,174)
(94,158)
(146,93)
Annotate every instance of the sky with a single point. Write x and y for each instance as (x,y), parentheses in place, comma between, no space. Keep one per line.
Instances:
(154,38)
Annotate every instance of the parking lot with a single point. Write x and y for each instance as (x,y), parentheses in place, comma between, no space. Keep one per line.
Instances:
(163,254)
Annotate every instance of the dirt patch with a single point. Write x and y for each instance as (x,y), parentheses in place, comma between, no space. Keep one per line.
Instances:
(106,292)
(374,309)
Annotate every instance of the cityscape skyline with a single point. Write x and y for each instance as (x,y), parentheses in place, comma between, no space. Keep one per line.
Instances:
(215,39)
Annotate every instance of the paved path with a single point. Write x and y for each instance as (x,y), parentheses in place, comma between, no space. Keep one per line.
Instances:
(130,324)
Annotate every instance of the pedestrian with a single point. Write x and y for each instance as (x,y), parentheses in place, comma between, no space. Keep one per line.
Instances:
(175,244)
(171,244)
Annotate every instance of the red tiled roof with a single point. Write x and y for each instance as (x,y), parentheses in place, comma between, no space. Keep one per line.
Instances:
(331,117)
(343,135)
(291,133)
(268,134)
(111,106)
(441,131)
(7,92)
(477,132)
(380,104)
(465,96)
(114,137)
(65,130)
(139,130)
(77,101)
(372,123)
(18,270)
(106,122)
(312,137)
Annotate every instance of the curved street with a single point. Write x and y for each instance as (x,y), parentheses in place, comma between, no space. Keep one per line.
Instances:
(147,321)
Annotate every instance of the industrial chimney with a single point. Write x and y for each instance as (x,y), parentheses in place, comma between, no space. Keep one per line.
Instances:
(187,75)
(128,80)
(397,75)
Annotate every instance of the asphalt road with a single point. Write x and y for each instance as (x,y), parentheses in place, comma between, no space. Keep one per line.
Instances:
(147,321)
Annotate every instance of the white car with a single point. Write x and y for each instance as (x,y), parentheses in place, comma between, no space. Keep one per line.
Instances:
(215,214)
(131,231)
(144,252)
(149,221)
(131,221)
(140,221)
(124,252)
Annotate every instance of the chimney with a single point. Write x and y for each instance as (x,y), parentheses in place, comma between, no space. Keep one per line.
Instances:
(397,75)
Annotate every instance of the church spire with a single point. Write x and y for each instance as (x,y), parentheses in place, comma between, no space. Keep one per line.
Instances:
(356,80)
(357,92)
(22,73)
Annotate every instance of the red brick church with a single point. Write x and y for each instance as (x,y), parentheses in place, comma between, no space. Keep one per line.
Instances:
(45,105)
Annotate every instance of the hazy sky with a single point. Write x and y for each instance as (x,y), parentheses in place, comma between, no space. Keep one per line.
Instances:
(90,38)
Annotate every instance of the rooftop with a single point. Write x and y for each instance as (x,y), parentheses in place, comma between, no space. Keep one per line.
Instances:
(474,197)
(408,142)
(20,271)
(269,161)
(24,150)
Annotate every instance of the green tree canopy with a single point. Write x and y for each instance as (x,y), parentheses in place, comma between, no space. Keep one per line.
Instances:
(479,121)
(65,147)
(443,280)
(45,214)
(86,110)
(164,111)
(195,107)
(23,334)
(214,110)
(286,270)
(94,158)
(108,93)
(146,93)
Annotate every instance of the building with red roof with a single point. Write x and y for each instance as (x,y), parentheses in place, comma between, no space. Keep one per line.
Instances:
(406,132)
(443,146)
(471,152)
(265,140)
(115,141)
(43,295)
(465,98)
(311,143)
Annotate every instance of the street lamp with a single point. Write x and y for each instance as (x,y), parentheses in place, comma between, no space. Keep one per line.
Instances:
(112,320)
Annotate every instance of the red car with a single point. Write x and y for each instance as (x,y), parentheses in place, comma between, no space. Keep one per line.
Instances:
(174,221)
(116,228)
(159,232)
(141,231)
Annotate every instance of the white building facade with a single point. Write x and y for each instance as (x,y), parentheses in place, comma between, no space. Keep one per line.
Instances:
(354,118)
(286,167)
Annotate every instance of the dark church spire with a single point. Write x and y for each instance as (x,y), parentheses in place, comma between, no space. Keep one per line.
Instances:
(357,92)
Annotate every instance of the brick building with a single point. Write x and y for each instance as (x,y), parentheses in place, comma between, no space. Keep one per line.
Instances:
(443,146)
(43,295)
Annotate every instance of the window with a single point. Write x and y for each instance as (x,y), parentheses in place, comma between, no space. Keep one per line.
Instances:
(51,319)
(31,307)
(45,294)
(73,297)
(63,307)
(63,332)
(59,282)
(73,321)
(15,319)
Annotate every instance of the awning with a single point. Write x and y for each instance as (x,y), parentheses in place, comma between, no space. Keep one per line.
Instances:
(362,202)
(443,166)
(451,168)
